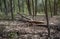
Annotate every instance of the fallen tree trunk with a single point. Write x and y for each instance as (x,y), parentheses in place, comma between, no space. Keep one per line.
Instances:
(23,16)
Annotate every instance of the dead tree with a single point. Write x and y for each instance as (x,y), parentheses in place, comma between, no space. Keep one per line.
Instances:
(46,13)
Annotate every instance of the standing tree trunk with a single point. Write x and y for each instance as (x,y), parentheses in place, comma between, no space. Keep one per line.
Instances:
(43,5)
(19,5)
(46,13)
(13,5)
(11,2)
(22,6)
(55,7)
(35,7)
(50,8)
(28,6)
(5,5)
(1,5)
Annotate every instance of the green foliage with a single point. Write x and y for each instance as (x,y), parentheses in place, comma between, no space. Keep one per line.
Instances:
(5,7)
(12,35)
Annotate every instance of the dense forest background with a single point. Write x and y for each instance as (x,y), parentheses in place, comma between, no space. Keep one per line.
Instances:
(9,8)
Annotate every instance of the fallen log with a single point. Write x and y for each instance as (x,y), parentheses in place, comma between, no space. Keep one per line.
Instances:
(29,20)
(23,16)
(36,22)
(41,24)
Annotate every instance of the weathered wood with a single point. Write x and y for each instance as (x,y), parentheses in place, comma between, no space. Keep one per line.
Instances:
(23,16)
(36,22)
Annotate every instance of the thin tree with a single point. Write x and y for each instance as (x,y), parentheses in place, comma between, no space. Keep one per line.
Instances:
(55,7)
(58,5)
(43,5)
(35,7)
(50,8)
(46,13)
(1,5)
(11,3)
(19,5)
(28,6)
(22,6)
(5,6)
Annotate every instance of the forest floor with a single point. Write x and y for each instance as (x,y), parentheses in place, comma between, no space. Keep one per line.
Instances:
(21,30)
